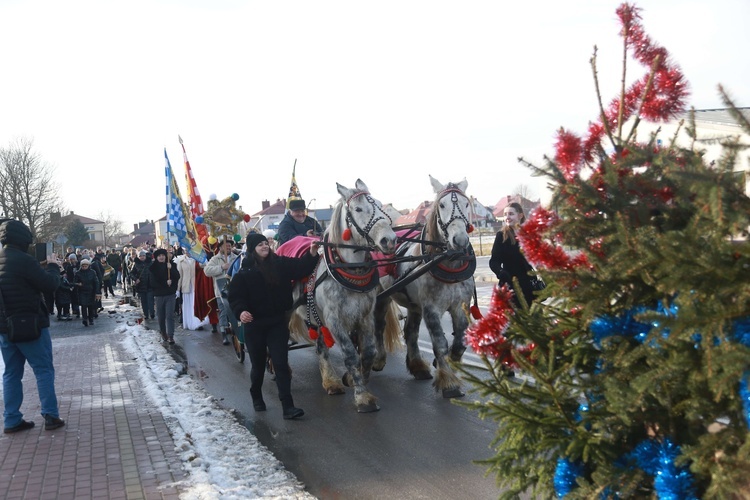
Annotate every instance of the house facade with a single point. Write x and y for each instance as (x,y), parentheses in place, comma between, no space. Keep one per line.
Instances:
(94,227)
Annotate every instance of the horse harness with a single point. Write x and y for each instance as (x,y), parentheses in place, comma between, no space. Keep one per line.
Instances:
(456,211)
(374,219)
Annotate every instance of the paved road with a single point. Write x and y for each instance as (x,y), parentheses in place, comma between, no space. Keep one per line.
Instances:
(418,445)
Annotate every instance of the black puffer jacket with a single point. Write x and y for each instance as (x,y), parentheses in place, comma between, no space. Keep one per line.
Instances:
(22,279)
(89,287)
(268,303)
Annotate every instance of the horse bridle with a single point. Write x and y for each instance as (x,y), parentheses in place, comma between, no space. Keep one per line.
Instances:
(456,212)
(374,219)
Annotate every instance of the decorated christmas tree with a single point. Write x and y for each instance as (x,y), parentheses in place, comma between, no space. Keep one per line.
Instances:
(632,368)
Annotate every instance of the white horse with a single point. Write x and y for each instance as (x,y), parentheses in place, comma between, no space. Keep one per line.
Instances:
(339,303)
(443,281)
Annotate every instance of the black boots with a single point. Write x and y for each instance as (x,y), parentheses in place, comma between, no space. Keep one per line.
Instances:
(292,412)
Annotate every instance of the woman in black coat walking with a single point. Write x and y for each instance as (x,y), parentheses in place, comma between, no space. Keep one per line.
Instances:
(260,295)
(89,288)
(163,277)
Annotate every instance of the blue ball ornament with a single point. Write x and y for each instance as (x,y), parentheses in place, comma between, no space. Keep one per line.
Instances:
(199,219)
(235,196)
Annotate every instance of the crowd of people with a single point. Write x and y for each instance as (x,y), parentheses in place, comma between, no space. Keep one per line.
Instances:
(246,287)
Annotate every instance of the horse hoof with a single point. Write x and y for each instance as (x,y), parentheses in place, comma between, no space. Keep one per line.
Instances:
(347,380)
(335,391)
(423,375)
(367,408)
(452,393)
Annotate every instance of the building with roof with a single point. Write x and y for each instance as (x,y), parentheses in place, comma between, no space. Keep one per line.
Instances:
(94,227)
(527,205)
(268,217)
(712,128)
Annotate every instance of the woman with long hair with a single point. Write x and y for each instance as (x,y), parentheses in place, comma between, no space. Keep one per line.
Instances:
(260,295)
(507,260)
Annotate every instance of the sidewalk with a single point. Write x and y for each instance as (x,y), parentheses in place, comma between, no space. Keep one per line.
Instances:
(115,444)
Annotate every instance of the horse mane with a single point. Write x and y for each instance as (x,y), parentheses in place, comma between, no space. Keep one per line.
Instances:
(432,232)
(334,229)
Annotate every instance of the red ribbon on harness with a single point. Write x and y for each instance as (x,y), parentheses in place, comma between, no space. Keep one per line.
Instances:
(327,337)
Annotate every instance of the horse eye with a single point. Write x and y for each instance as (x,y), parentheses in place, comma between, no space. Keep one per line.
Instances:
(442,205)
(358,209)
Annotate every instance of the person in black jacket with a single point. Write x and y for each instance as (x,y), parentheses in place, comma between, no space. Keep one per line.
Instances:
(89,291)
(163,277)
(63,298)
(507,261)
(141,286)
(96,265)
(260,295)
(71,267)
(22,283)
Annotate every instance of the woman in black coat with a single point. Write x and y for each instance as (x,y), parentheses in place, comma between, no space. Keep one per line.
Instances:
(163,277)
(89,288)
(260,295)
(507,261)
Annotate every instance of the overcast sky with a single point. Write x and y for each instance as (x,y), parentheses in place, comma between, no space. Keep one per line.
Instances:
(387,91)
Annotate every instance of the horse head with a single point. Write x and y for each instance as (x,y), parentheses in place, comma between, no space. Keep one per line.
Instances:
(364,219)
(449,218)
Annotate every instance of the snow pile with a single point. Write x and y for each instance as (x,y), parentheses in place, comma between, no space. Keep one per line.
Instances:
(222,458)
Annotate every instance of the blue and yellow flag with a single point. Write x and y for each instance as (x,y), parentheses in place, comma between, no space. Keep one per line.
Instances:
(179,221)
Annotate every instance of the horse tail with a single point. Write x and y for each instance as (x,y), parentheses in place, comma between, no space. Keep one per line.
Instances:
(392,333)
(298,329)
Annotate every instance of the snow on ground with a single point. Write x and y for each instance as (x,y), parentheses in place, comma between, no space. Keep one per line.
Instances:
(223,459)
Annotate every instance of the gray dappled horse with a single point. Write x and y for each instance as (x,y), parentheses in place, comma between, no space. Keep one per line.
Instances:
(341,304)
(448,286)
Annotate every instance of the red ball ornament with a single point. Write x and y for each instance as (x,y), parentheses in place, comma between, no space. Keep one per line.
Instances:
(246,218)
(470,229)
(347,234)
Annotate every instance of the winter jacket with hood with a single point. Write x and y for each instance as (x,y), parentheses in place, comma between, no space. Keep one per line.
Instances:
(22,279)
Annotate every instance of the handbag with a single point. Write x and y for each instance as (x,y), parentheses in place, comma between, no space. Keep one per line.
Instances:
(22,327)
(537,283)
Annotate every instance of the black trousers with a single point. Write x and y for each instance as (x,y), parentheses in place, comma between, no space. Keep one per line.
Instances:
(88,312)
(269,339)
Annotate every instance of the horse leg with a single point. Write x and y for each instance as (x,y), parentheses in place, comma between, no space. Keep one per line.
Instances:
(446,380)
(460,323)
(330,381)
(414,362)
(354,377)
(381,307)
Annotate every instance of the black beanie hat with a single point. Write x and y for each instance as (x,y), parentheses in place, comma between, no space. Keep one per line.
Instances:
(14,232)
(297,204)
(253,240)
(160,251)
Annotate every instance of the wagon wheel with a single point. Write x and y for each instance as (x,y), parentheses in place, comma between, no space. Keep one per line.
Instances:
(239,346)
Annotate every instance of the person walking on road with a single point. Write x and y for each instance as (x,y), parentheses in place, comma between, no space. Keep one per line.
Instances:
(260,295)
(218,269)
(89,288)
(22,283)
(164,277)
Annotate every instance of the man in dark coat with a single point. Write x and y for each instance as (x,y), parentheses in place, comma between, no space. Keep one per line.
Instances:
(297,223)
(22,283)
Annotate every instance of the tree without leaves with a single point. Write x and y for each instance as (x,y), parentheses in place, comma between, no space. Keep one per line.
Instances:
(29,192)
(113,228)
